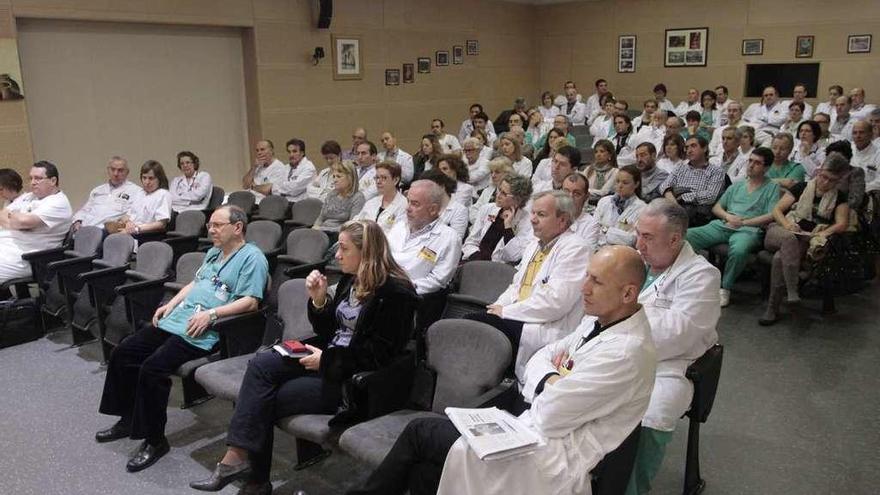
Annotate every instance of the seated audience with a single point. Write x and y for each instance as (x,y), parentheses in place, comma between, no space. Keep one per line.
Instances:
(874,119)
(602,124)
(743,211)
(390,151)
(722,95)
(594,102)
(486,151)
(693,126)
(362,326)
(799,95)
(501,123)
(426,248)
(478,166)
(734,121)
(389,207)
(499,167)
(555,139)
(425,159)
(32,221)
(652,175)
(624,140)
(344,202)
(696,184)
(536,128)
(10,186)
(231,281)
(795,117)
(298,173)
(110,200)
(680,297)
(806,149)
(559,122)
(266,172)
(767,115)
(644,119)
(841,126)
(829,107)
(784,172)
(674,126)
(448,142)
(502,229)
(467,126)
(575,111)
(151,209)
(541,303)
(866,155)
(616,215)
(730,159)
(358,136)
(455,169)
(663,103)
(321,185)
(547,109)
(365,160)
(587,393)
(583,223)
(710,115)
(824,122)
(602,172)
(690,104)
(805,218)
(565,161)
(860,110)
(655,132)
(853,181)
(511,148)
(454,213)
(483,124)
(672,154)
(192,190)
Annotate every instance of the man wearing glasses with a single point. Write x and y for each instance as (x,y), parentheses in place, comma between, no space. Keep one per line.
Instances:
(34,221)
(230,281)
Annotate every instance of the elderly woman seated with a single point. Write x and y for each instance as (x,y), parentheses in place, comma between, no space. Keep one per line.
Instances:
(503,228)
(191,190)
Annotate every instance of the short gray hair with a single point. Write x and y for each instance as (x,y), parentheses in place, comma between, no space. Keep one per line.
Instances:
(117,158)
(236,214)
(745,130)
(676,216)
(836,163)
(472,141)
(788,138)
(564,203)
(436,194)
(520,187)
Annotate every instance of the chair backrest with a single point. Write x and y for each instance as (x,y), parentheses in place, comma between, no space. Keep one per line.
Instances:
(243,199)
(307,245)
(117,249)
(87,240)
(306,211)
(187,266)
(705,373)
(274,208)
(190,222)
(293,298)
(217,194)
(469,358)
(265,234)
(154,259)
(485,280)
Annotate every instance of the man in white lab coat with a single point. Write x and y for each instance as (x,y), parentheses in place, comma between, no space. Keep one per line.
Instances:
(588,391)
(680,297)
(541,303)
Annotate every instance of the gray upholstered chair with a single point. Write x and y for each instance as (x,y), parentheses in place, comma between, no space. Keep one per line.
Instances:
(273,208)
(217,196)
(476,285)
(303,214)
(243,199)
(306,250)
(469,359)
(188,227)
(267,236)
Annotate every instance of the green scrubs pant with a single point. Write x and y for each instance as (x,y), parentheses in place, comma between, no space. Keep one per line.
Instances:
(741,244)
(649,456)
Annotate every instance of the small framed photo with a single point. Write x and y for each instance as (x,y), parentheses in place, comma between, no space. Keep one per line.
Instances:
(441,58)
(626,53)
(347,61)
(858,43)
(408,73)
(424,65)
(392,77)
(804,46)
(753,47)
(473,47)
(457,55)
(686,47)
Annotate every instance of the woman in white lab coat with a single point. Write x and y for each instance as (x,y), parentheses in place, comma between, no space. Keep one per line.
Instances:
(192,190)
(455,169)
(389,207)
(616,215)
(506,221)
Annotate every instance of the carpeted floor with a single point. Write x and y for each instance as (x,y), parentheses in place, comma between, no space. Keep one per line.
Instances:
(796,413)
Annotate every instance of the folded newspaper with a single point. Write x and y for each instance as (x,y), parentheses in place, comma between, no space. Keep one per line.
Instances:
(494,433)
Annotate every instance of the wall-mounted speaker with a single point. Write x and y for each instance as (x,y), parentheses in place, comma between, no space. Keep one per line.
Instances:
(322,13)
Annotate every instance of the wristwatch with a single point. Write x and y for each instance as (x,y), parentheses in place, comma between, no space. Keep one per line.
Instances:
(213,314)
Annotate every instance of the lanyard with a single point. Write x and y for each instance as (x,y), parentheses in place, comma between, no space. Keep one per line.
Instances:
(217,276)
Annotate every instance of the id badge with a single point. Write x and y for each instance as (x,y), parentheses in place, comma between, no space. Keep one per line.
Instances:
(428,255)
(664,303)
(221,294)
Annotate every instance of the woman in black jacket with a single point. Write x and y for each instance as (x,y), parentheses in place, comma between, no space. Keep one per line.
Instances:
(362,327)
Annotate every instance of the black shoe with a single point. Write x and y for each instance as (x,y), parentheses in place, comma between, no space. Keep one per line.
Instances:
(223,475)
(120,430)
(146,456)
(257,488)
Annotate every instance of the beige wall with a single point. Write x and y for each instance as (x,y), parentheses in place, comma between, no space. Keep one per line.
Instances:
(583,37)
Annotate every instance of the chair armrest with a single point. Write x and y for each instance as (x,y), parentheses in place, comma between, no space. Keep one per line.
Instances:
(133,287)
(72,263)
(240,334)
(498,396)
(54,254)
(302,271)
(96,275)
(174,240)
(384,390)
(467,299)
(149,236)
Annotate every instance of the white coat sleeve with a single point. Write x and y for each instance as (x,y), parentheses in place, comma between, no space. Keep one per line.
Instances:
(459,221)
(541,362)
(513,250)
(443,271)
(478,172)
(472,243)
(297,185)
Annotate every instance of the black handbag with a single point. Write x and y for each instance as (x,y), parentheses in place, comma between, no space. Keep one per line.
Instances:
(18,322)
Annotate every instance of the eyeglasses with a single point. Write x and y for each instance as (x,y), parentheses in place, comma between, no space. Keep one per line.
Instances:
(216,225)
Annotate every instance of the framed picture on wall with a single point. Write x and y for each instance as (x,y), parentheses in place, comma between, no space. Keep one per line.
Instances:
(392,77)
(804,47)
(424,65)
(626,53)
(686,47)
(753,47)
(347,61)
(408,73)
(457,55)
(858,43)
(473,47)
(441,58)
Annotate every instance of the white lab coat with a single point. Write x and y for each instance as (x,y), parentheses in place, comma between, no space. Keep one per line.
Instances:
(405,160)
(107,203)
(456,216)
(191,194)
(367,182)
(479,174)
(683,307)
(429,258)
(586,226)
(484,199)
(464,194)
(505,252)
(614,228)
(273,173)
(582,417)
(395,213)
(295,181)
(578,114)
(554,307)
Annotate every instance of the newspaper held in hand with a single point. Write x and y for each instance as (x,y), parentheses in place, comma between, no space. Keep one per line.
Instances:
(493,433)
(293,349)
